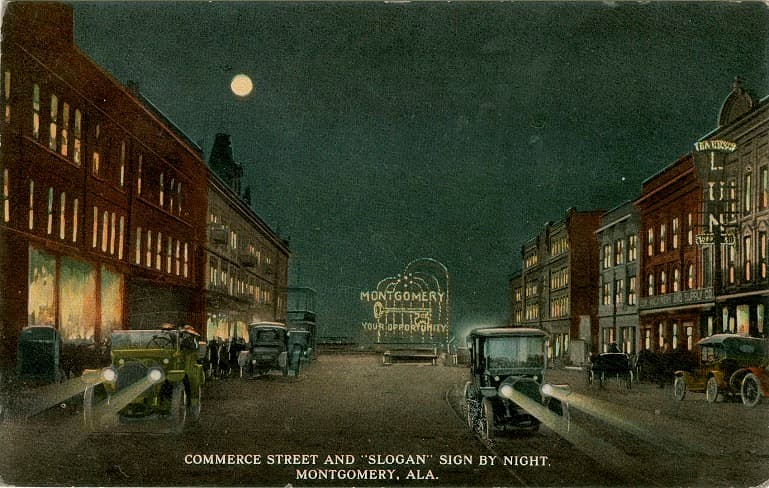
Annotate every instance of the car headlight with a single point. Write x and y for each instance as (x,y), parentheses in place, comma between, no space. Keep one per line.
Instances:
(166,360)
(506,391)
(109,375)
(156,375)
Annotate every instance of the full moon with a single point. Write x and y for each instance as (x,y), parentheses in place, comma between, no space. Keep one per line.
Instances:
(241,85)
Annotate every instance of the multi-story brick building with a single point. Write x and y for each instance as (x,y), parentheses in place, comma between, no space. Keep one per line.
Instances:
(618,284)
(557,288)
(247,262)
(676,293)
(103,199)
(733,161)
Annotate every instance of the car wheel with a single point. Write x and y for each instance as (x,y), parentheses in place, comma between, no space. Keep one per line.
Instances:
(487,419)
(679,388)
(751,390)
(711,390)
(469,406)
(196,404)
(178,408)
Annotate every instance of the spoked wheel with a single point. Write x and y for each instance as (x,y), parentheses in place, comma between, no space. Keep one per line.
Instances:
(486,421)
(178,408)
(470,406)
(679,388)
(711,390)
(751,390)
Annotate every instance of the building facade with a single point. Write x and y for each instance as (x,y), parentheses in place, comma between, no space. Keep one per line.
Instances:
(618,285)
(676,294)
(733,162)
(247,263)
(556,289)
(103,199)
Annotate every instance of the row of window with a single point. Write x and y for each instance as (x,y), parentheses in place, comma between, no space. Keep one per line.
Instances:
(221,232)
(559,307)
(558,245)
(748,270)
(164,253)
(66,130)
(617,294)
(660,283)
(617,253)
(222,276)
(659,241)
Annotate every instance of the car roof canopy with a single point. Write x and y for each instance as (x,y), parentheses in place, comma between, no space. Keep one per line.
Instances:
(508,332)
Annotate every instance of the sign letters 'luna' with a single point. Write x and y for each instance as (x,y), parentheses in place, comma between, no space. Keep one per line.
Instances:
(412,307)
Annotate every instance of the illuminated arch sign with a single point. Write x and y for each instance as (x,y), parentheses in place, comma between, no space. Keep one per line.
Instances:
(412,307)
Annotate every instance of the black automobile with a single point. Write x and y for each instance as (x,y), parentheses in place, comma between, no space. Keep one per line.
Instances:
(503,358)
(267,351)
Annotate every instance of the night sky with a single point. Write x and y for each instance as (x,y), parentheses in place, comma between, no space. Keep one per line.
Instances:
(379,133)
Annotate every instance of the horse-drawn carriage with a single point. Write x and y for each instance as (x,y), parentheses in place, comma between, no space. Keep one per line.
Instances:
(610,365)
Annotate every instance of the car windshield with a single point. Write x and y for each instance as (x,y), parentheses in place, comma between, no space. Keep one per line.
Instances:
(259,335)
(143,339)
(514,352)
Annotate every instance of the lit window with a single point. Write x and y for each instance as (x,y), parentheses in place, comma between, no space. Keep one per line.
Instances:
(663,283)
(104,231)
(632,245)
(661,335)
(606,256)
(49,212)
(763,196)
(631,296)
(762,253)
(171,207)
(748,192)
(650,242)
(121,233)
(169,254)
(112,223)
(158,250)
(676,280)
(663,237)
(138,257)
(178,258)
(64,148)
(95,229)
(95,157)
(676,231)
(162,189)
(650,290)
(54,131)
(139,176)
(36,111)
(62,215)
(746,254)
(690,277)
(78,134)
(179,198)
(148,255)
(7,96)
(690,229)
(6,197)
(675,335)
(74,219)
(619,252)
(122,164)
(186,261)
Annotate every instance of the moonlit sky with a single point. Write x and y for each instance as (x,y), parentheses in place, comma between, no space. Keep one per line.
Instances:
(379,133)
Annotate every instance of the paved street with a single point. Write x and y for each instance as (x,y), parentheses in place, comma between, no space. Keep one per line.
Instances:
(386,426)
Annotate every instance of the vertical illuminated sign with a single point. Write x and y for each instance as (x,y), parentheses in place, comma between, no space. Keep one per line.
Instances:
(411,307)
(719,193)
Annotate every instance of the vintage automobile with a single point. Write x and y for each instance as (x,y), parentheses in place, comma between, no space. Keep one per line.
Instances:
(153,374)
(727,365)
(267,351)
(500,357)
